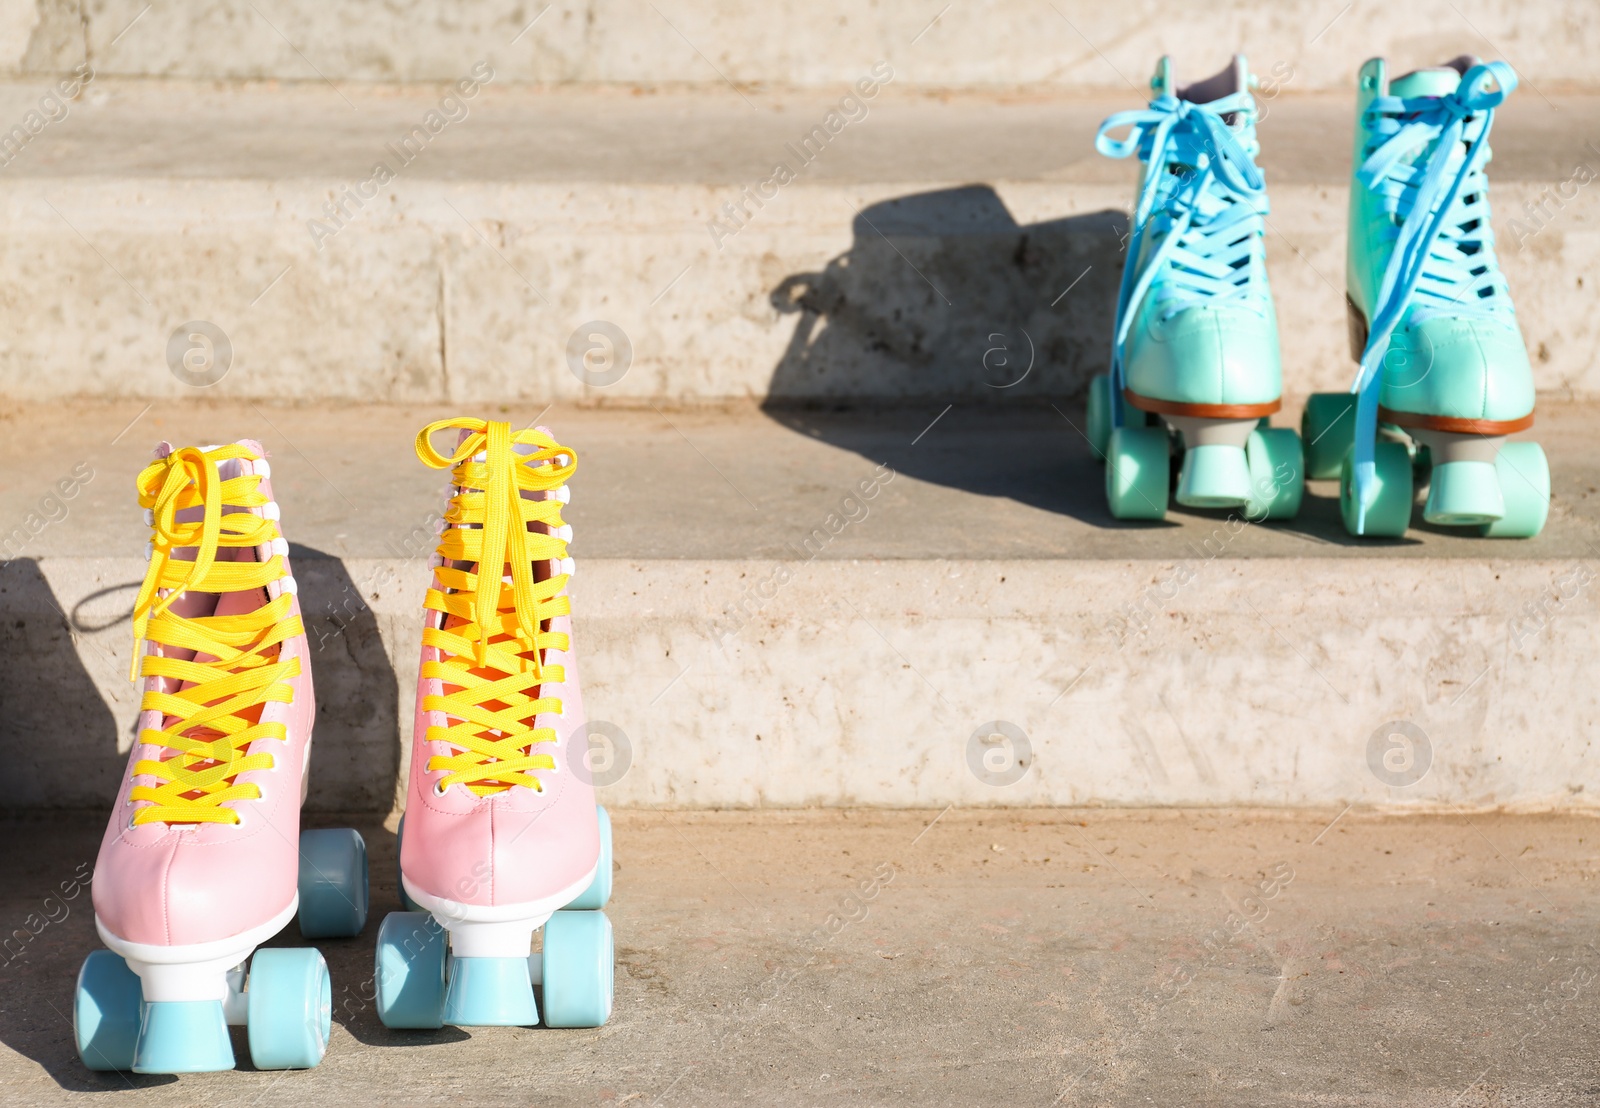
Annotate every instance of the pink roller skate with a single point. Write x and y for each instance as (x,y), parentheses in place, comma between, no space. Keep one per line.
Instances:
(204,859)
(501,834)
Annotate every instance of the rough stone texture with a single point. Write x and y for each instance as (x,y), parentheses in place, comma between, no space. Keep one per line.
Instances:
(1071,44)
(877,274)
(1072,957)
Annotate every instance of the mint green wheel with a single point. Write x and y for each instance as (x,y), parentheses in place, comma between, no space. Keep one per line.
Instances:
(1328,430)
(599,891)
(1524,474)
(1097,414)
(1277,479)
(1390,513)
(1138,472)
(576,969)
(409,976)
(290,1012)
(105,1012)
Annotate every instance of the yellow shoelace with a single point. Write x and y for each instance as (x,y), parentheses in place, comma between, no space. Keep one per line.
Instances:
(208,725)
(493,635)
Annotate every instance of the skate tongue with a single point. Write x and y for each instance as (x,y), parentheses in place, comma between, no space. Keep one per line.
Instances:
(1441,81)
(1235,77)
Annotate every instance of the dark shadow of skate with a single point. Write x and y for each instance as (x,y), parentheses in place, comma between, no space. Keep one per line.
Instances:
(59,738)
(944,294)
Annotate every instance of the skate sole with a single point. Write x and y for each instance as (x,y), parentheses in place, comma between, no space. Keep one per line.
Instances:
(1201,411)
(1452,424)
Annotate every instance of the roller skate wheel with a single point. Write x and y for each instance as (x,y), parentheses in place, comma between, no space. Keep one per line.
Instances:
(1277,476)
(409,975)
(290,1000)
(1328,430)
(1524,475)
(576,969)
(333,883)
(105,1012)
(1390,513)
(1138,472)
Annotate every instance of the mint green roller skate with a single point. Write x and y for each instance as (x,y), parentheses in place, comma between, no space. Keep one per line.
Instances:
(1196,340)
(1444,375)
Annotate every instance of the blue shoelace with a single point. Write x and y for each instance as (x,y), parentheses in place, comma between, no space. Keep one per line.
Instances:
(1202,201)
(1443,262)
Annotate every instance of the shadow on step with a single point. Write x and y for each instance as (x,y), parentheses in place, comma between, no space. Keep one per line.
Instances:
(944,299)
(59,715)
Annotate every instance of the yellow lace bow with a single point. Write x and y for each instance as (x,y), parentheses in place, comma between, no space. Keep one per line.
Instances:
(210,710)
(494,633)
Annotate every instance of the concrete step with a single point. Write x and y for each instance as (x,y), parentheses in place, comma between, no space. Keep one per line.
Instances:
(819,609)
(1308,43)
(579,245)
(953,958)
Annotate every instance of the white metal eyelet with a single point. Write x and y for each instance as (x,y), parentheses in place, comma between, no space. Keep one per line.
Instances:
(568,566)
(564,495)
(263,468)
(439,788)
(280,547)
(149,517)
(288,586)
(269,510)
(564,532)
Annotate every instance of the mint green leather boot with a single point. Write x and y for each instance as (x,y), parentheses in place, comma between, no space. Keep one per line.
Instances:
(1195,346)
(1444,369)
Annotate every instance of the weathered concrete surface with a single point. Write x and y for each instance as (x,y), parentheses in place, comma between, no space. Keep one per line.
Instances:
(1069,44)
(966,481)
(471,274)
(750,658)
(1036,957)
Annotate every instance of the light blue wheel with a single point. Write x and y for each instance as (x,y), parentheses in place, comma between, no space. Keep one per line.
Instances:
(1390,513)
(577,964)
(105,1012)
(599,891)
(409,975)
(182,1036)
(333,883)
(290,1008)
(1524,474)
(1138,472)
(1097,414)
(399,875)
(1277,475)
